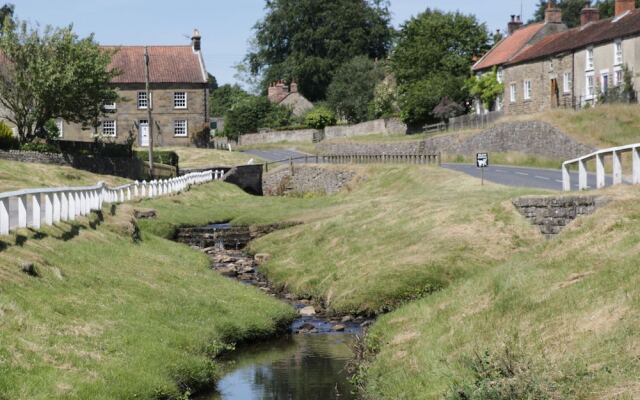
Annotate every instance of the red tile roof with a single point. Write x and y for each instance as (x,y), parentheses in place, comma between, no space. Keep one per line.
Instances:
(591,34)
(167,64)
(508,47)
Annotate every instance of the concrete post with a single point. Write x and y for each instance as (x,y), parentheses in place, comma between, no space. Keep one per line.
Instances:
(600,172)
(64,206)
(636,165)
(617,168)
(4,216)
(57,208)
(47,203)
(582,181)
(129,193)
(72,206)
(19,215)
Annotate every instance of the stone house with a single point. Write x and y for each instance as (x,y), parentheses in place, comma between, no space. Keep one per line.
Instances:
(519,37)
(179,97)
(280,94)
(571,69)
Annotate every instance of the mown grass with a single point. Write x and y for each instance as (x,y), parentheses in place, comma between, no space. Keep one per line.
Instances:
(400,234)
(17,175)
(558,321)
(114,318)
(192,157)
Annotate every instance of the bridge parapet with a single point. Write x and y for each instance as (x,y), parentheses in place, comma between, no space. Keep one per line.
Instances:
(600,156)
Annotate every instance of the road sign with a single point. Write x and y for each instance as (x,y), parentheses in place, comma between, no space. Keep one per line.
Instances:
(482,160)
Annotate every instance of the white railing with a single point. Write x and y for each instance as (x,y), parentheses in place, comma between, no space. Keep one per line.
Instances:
(599,156)
(33,208)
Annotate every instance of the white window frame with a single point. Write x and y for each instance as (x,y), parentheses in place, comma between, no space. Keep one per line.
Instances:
(112,106)
(513,92)
(175,100)
(567,82)
(148,100)
(528,89)
(618,54)
(60,126)
(589,94)
(589,62)
(115,128)
(176,127)
(618,80)
(604,74)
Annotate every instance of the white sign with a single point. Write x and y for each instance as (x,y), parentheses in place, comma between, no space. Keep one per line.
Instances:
(482,160)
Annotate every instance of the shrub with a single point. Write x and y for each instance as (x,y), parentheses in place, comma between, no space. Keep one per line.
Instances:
(40,147)
(320,117)
(254,113)
(7,140)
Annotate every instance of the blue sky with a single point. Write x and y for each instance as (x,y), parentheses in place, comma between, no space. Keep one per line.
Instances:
(225,24)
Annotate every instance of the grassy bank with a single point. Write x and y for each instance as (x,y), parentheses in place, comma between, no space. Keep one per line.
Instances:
(558,321)
(400,234)
(17,175)
(110,317)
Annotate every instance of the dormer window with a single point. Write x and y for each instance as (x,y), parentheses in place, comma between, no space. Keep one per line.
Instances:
(617,57)
(590,59)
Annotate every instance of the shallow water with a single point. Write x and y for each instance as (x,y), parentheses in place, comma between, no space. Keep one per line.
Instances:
(296,367)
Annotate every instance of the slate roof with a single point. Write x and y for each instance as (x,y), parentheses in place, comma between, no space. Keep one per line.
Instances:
(508,47)
(605,30)
(167,64)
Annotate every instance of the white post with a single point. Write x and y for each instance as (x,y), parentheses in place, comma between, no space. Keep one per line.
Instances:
(48,208)
(64,206)
(128,192)
(71,197)
(636,165)
(582,172)
(21,211)
(617,168)
(600,173)
(4,216)
(56,207)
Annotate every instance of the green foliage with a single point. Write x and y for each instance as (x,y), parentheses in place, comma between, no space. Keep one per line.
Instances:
(6,15)
(213,82)
(485,87)
(624,93)
(433,57)
(52,74)
(308,40)
(447,109)
(253,113)
(159,156)
(225,97)
(7,140)
(353,88)
(40,147)
(320,117)
(385,99)
(502,376)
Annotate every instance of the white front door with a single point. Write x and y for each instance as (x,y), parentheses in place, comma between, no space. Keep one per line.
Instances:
(144,133)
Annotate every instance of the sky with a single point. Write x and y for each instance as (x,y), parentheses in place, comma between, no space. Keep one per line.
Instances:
(225,25)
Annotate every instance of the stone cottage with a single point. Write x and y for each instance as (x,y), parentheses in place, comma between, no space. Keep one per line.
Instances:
(280,94)
(571,69)
(179,97)
(519,37)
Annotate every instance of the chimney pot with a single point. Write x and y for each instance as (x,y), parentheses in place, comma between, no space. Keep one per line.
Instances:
(622,6)
(514,25)
(196,40)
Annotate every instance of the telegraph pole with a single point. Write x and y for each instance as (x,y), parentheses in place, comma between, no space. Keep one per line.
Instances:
(149,116)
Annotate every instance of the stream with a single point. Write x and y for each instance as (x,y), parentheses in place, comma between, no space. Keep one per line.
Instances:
(308,363)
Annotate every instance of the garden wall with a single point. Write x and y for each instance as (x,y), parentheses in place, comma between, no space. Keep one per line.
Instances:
(302,135)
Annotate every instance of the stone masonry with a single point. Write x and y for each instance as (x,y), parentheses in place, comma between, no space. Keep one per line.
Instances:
(552,214)
(306,179)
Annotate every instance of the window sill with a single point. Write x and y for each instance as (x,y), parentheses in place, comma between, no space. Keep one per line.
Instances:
(180,108)
(180,136)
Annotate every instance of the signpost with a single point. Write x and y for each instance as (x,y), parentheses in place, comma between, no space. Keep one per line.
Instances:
(482,162)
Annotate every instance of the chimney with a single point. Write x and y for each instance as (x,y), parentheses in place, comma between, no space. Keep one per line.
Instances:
(277,92)
(622,6)
(294,87)
(589,14)
(514,24)
(553,15)
(196,40)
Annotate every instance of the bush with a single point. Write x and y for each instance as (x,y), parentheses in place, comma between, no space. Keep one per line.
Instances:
(254,113)
(7,140)
(40,147)
(159,156)
(320,117)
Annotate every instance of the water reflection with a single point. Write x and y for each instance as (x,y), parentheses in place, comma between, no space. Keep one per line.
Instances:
(302,367)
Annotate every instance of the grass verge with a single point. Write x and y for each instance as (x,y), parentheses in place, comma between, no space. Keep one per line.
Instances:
(112,317)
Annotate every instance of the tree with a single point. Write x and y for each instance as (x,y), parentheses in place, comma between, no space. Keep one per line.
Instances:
(433,58)
(6,14)
(571,10)
(307,40)
(447,109)
(213,82)
(53,74)
(385,99)
(352,88)
(253,113)
(225,97)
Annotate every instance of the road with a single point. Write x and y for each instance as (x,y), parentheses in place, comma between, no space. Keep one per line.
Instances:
(505,175)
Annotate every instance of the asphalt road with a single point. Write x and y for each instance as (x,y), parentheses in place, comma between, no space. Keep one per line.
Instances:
(504,175)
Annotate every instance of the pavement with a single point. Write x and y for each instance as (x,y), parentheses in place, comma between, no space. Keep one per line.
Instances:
(536,178)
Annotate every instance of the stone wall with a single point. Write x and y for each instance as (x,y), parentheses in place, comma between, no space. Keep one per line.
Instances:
(390,126)
(247,178)
(552,214)
(306,179)
(302,135)
(531,137)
